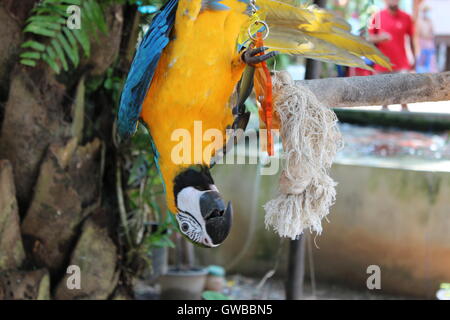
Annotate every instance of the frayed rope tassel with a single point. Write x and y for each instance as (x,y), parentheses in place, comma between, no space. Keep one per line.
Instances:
(311,139)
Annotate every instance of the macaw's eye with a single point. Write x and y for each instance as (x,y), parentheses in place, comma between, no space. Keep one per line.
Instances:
(184,227)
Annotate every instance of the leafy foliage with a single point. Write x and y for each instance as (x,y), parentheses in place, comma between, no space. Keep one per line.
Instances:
(145,188)
(55,43)
(60,46)
(366,12)
(150,226)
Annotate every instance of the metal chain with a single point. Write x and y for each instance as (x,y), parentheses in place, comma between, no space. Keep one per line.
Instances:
(253,10)
(253,6)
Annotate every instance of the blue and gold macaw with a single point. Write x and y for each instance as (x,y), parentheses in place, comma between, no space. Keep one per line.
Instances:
(191,62)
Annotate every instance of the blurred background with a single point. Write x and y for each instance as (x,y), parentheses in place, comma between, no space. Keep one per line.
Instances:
(70,194)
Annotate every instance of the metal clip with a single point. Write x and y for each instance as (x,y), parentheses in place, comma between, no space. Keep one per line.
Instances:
(266,26)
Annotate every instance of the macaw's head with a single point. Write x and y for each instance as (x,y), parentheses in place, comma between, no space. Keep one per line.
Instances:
(202,214)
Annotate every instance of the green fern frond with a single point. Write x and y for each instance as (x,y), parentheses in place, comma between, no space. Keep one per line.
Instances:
(55,43)
(84,41)
(51,62)
(33,45)
(60,54)
(28,62)
(30,55)
(69,48)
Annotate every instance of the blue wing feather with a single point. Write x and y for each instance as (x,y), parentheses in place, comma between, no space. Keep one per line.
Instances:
(214,5)
(143,68)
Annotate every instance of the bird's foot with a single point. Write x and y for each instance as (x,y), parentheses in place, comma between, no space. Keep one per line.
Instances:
(252,56)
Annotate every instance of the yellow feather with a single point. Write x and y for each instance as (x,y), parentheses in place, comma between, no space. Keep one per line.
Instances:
(324,19)
(250,24)
(275,10)
(316,33)
(355,45)
(293,41)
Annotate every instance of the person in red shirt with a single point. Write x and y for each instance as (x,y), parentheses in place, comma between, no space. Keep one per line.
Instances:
(388,31)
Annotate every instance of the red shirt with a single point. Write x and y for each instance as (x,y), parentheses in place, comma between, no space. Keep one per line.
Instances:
(398,25)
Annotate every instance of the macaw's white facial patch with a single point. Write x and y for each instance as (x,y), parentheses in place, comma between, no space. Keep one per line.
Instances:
(188,200)
(190,227)
(189,216)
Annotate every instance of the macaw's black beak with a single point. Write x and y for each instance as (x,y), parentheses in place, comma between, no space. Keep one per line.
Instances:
(218,218)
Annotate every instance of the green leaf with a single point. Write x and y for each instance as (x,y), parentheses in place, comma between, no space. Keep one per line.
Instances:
(33,45)
(39,30)
(51,10)
(93,83)
(51,62)
(71,52)
(88,20)
(51,53)
(73,42)
(60,54)
(83,39)
(47,26)
(30,63)
(47,7)
(97,16)
(108,84)
(31,55)
(75,2)
(47,19)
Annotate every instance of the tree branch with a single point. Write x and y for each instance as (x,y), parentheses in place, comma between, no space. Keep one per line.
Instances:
(380,89)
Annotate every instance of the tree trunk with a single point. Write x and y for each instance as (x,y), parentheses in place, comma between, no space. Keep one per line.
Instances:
(57,165)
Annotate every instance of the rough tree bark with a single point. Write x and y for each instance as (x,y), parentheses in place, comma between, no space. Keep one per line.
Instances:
(57,207)
(381,89)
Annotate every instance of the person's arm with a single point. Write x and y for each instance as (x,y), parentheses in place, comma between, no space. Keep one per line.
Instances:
(377,38)
(413,49)
(411,31)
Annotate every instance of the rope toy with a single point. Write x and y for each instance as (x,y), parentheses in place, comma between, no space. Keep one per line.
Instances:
(311,139)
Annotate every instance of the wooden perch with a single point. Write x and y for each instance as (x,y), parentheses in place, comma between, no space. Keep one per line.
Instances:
(380,89)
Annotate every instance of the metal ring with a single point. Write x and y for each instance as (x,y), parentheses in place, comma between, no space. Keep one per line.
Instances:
(258,22)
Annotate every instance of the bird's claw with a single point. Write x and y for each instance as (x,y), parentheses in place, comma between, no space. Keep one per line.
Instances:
(241,121)
(252,58)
